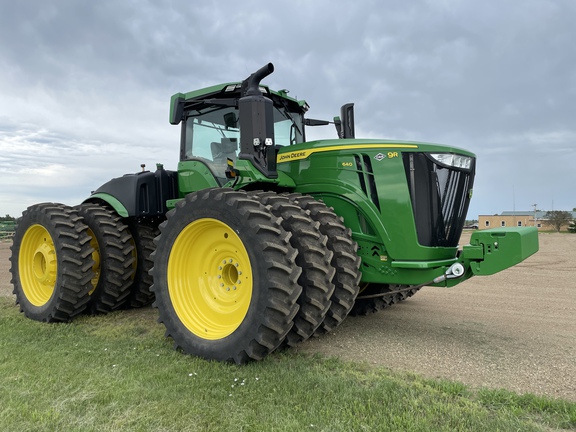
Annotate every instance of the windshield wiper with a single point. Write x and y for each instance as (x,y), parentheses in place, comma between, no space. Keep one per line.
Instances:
(287,116)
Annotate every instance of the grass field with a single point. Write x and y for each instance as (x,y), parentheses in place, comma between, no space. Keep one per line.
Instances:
(118,372)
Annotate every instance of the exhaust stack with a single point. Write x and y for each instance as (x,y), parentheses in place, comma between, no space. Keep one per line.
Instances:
(257,124)
(251,85)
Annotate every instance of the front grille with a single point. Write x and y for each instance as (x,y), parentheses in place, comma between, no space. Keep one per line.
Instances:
(440,197)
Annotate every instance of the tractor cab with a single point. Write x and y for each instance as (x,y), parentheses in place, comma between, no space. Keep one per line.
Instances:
(211,134)
(241,127)
(235,121)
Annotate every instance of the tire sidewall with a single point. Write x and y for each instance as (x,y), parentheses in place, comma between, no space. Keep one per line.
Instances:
(29,219)
(227,347)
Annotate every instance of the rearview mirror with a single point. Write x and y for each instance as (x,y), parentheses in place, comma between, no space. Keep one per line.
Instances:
(230,120)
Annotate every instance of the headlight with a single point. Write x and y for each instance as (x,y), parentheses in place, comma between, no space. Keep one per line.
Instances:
(452,160)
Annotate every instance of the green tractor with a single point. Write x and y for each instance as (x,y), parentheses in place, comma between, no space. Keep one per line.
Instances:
(260,239)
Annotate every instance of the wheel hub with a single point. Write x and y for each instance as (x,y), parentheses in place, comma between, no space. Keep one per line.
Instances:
(228,274)
(44,265)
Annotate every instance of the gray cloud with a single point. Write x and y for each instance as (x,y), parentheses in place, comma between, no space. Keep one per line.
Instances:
(84,86)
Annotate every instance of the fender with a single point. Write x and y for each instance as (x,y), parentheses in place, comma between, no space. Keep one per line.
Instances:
(139,194)
(111,201)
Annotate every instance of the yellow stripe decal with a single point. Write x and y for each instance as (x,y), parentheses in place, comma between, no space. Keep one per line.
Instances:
(303,154)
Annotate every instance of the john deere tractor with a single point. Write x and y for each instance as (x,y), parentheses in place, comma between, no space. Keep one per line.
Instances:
(261,238)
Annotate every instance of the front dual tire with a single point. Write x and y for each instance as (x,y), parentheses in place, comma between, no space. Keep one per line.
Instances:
(225,283)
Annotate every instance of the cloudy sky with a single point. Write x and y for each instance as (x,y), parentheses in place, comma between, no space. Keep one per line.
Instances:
(85,85)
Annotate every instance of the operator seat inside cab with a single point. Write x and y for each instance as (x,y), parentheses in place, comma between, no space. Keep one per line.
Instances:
(223,150)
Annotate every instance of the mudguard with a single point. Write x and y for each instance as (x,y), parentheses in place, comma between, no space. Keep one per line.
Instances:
(140,194)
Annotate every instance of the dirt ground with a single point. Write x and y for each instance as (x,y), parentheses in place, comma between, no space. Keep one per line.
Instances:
(513,330)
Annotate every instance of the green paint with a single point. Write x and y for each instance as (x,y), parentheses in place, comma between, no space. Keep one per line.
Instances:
(501,248)
(366,181)
(112,201)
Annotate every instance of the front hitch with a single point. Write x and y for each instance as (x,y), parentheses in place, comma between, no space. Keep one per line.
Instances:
(494,250)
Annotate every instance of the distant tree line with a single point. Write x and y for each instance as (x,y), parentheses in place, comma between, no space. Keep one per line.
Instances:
(560,218)
(7,218)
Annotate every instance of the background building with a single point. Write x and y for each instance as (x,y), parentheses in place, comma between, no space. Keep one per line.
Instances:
(518,218)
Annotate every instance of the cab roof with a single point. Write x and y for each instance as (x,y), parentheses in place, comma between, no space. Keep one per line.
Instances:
(201,98)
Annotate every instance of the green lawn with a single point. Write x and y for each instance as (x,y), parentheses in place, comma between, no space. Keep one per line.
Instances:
(118,372)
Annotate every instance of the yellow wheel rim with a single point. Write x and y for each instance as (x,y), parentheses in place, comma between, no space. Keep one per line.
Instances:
(37,265)
(96,258)
(209,279)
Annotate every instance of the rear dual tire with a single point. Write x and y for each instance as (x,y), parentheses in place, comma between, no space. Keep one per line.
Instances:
(51,263)
(114,261)
(143,235)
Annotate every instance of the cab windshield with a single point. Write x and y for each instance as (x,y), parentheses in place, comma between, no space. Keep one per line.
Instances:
(214,134)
